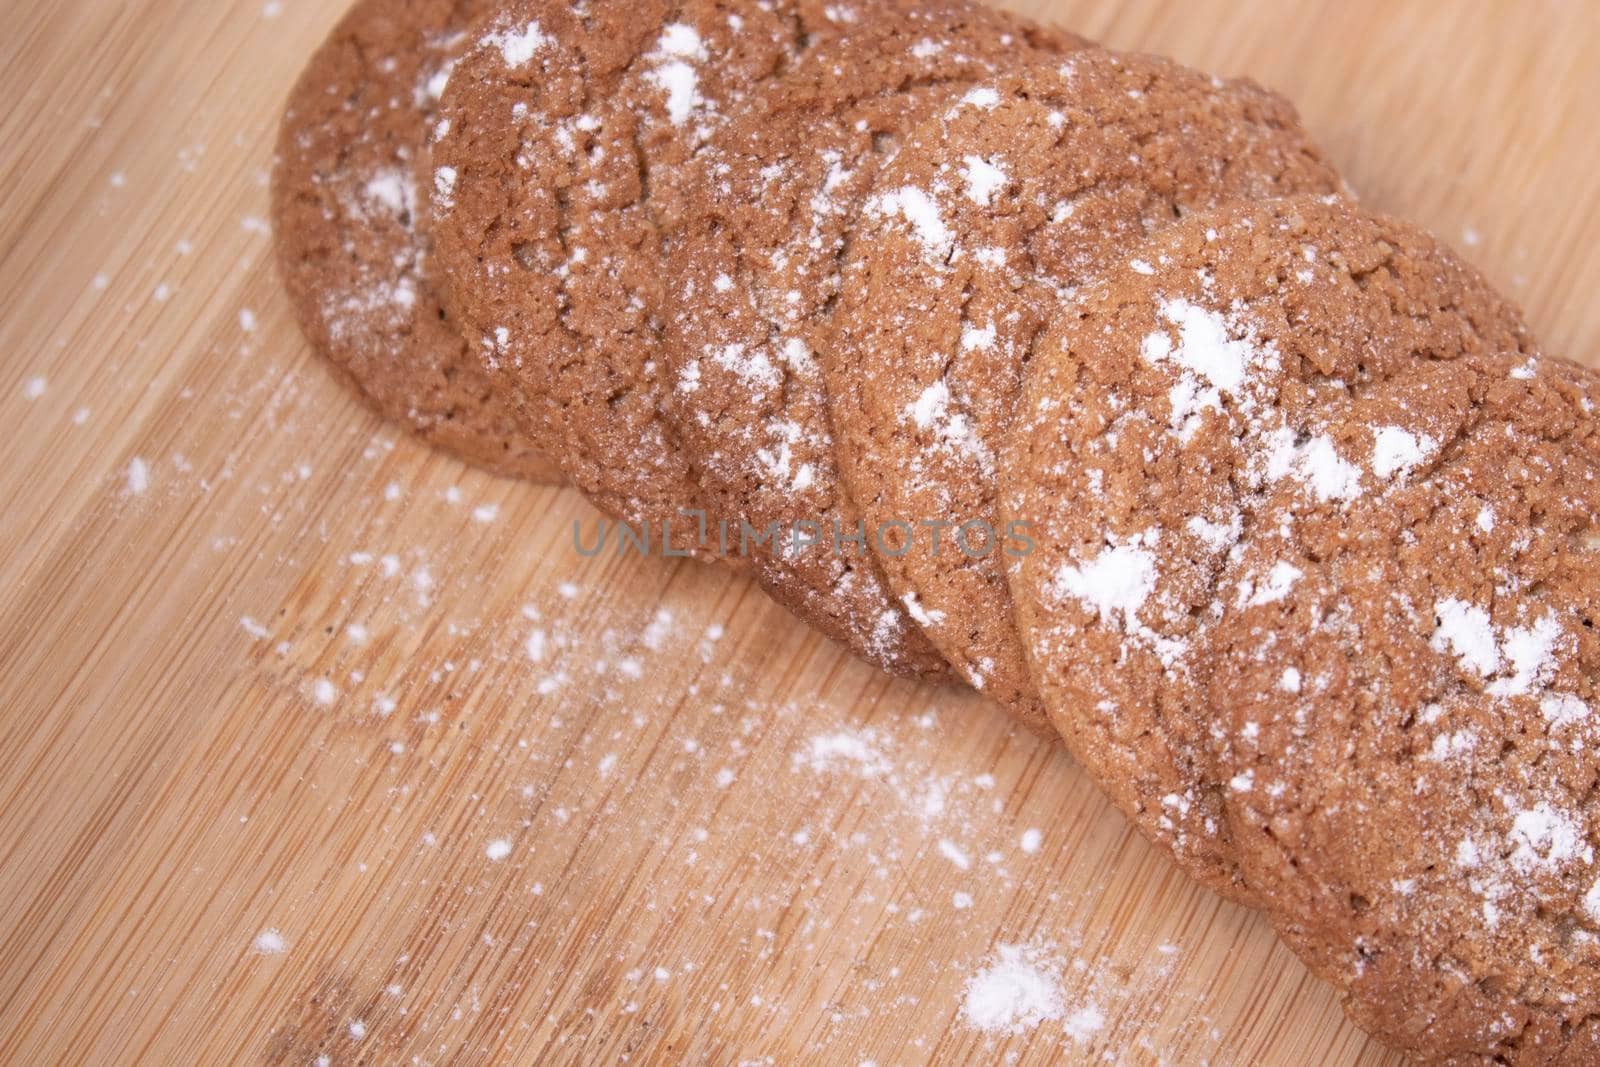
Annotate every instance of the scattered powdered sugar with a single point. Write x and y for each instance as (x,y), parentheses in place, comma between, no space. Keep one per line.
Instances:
(753,368)
(1271,589)
(983,97)
(1019,988)
(1530,651)
(952,428)
(138,479)
(392,190)
(498,849)
(444,188)
(857,749)
(1316,463)
(952,852)
(270,943)
(1084,1023)
(1466,631)
(34,388)
(1563,709)
(1543,837)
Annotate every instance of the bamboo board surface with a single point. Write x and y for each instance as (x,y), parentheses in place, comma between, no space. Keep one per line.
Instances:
(316,744)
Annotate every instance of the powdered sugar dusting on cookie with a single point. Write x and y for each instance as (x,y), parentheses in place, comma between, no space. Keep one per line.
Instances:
(677,52)
(517,46)
(921,212)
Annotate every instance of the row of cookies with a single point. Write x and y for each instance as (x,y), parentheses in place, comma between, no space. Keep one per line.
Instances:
(799,268)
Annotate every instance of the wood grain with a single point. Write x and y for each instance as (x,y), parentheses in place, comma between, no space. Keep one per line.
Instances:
(270,672)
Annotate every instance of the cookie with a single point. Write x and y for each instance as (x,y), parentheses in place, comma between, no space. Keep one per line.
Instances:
(1165,401)
(348,231)
(1405,666)
(756,271)
(989,217)
(564,138)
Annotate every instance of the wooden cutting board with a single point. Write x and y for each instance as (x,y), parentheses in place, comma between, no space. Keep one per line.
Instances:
(315,744)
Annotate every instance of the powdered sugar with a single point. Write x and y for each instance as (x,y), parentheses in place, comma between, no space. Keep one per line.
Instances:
(983,179)
(679,47)
(1211,361)
(952,428)
(138,476)
(1018,989)
(1316,463)
(1115,583)
(270,943)
(1396,450)
(1543,837)
(1467,632)
(917,208)
(517,47)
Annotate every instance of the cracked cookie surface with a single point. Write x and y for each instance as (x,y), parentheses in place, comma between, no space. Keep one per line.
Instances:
(565,138)
(758,271)
(1159,409)
(348,226)
(990,215)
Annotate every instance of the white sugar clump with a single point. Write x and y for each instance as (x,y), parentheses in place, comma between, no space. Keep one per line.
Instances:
(1116,582)
(1398,451)
(1563,709)
(918,209)
(1316,463)
(976,339)
(1210,361)
(752,368)
(1466,631)
(952,429)
(517,47)
(138,476)
(391,190)
(1019,989)
(1543,837)
(952,852)
(444,187)
(981,97)
(498,849)
(983,179)
(1530,651)
(270,943)
(674,75)
(843,749)
(1084,1023)
(1273,588)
